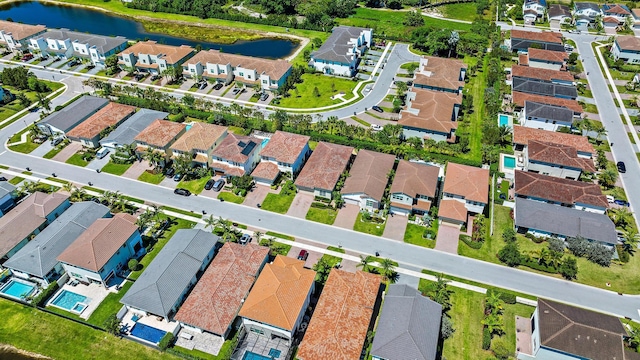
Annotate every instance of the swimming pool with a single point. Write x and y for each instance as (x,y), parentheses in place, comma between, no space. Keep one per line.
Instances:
(148,333)
(503,119)
(18,289)
(253,356)
(188,127)
(70,301)
(509,162)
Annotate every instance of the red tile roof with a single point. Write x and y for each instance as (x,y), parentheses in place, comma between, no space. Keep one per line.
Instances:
(338,328)
(274,68)
(440,73)
(161,133)
(548,55)
(523,60)
(540,74)
(217,297)
(564,191)
(522,135)
(369,174)
(324,167)
(110,115)
(266,170)
(201,136)
(435,111)
(20,31)
(519,98)
(617,9)
(558,154)
(172,54)
(611,20)
(544,36)
(415,179)
(285,147)
(628,42)
(468,181)
(452,209)
(236,148)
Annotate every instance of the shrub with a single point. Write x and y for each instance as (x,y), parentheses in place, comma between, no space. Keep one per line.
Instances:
(578,246)
(319,205)
(556,245)
(166,341)
(470,243)
(510,255)
(568,268)
(533,264)
(112,324)
(446,327)
(599,254)
(509,235)
(132,264)
(507,297)
(486,339)
(500,348)
(42,298)
(623,255)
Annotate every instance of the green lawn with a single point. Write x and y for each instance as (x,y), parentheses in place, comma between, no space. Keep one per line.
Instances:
(477,85)
(110,305)
(276,247)
(281,236)
(33,330)
(413,235)
(333,260)
(368,227)
(151,178)
(325,216)
(462,11)
(52,153)
(230,197)
(115,169)
(278,203)
(76,159)
(15,180)
(303,95)
(195,186)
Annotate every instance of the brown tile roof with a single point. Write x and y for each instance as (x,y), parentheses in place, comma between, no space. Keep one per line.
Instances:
(266,170)
(611,20)
(559,154)
(544,36)
(468,181)
(585,333)
(26,217)
(548,55)
(523,60)
(440,73)
(415,179)
(617,9)
(228,169)
(215,300)
(324,167)
(564,191)
(338,328)
(369,174)
(19,31)
(636,13)
(97,245)
(274,68)
(435,111)
(628,42)
(235,148)
(540,74)
(109,115)
(160,133)
(519,98)
(522,135)
(452,209)
(278,296)
(201,136)
(285,147)
(172,54)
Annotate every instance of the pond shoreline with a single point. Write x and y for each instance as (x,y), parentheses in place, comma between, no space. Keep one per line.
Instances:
(20,354)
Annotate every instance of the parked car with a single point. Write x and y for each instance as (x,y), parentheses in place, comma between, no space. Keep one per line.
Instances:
(209,184)
(56,140)
(264,96)
(218,86)
(622,168)
(610,199)
(303,255)
(377,108)
(2,178)
(245,239)
(202,86)
(376,127)
(621,202)
(177,177)
(218,185)
(169,171)
(73,63)
(237,91)
(181,191)
(27,57)
(102,153)
(155,77)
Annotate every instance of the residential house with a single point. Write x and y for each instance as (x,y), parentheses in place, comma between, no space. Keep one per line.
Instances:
(560,331)
(149,56)
(522,135)
(199,142)
(367,180)
(90,131)
(560,13)
(465,191)
(68,44)
(620,12)
(408,326)
(166,281)
(431,115)
(414,188)
(324,168)
(285,152)
(342,318)
(612,22)
(216,299)
(15,36)
(626,48)
(159,136)
(573,194)
(221,67)
(521,40)
(279,299)
(126,132)
(64,120)
(519,98)
(559,160)
(27,219)
(537,8)
(541,88)
(341,52)
(37,261)
(549,220)
(585,13)
(635,13)
(236,155)
(103,250)
(545,75)
(7,197)
(440,74)
(546,117)
(545,59)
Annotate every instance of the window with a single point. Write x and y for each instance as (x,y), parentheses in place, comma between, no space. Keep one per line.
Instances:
(241,73)
(257,331)
(264,81)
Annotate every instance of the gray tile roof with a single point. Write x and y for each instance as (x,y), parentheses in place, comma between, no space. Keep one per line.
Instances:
(554,113)
(103,43)
(544,88)
(38,257)
(72,115)
(408,327)
(6,188)
(586,5)
(336,46)
(126,132)
(559,10)
(555,219)
(164,281)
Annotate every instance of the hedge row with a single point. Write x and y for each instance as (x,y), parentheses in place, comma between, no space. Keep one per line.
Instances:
(45,294)
(470,243)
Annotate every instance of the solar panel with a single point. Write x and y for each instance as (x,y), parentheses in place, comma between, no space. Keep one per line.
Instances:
(248,148)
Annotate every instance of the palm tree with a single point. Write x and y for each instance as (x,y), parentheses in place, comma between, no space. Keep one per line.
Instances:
(364,263)
(504,134)
(633,340)
(210,222)
(494,324)
(258,235)
(607,178)
(620,216)
(630,239)
(29,187)
(155,158)
(441,293)
(68,188)
(388,268)
(542,255)
(77,194)
(44,102)
(493,303)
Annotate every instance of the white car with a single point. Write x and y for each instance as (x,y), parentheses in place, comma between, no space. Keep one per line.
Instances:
(102,153)
(610,199)
(376,127)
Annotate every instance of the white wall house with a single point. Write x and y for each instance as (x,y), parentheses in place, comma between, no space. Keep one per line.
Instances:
(561,161)
(626,48)
(16,36)
(539,7)
(236,155)
(148,56)
(67,44)
(546,117)
(340,54)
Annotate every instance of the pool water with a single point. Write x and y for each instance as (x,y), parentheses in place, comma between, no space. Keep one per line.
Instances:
(253,356)
(148,333)
(504,120)
(17,289)
(188,127)
(68,300)
(509,162)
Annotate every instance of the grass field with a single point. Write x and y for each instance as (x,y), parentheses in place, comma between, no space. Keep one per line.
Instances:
(462,11)
(24,148)
(230,197)
(303,95)
(413,235)
(368,227)
(15,180)
(281,236)
(278,203)
(76,159)
(325,216)
(115,169)
(52,153)
(151,178)
(195,186)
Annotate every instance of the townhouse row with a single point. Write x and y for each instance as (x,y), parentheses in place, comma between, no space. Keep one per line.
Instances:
(582,14)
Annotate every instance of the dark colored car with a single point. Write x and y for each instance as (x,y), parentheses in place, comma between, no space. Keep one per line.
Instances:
(177,177)
(303,255)
(217,86)
(621,202)
(170,171)
(264,97)
(621,167)
(245,239)
(209,184)
(217,186)
(155,77)
(181,191)
(377,108)
(73,63)
(202,86)
(2,178)
(27,57)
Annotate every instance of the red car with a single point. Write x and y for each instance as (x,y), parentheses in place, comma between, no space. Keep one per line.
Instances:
(27,57)
(304,254)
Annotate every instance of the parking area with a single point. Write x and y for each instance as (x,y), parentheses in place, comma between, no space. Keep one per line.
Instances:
(257,196)
(311,259)
(300,205)
(137,169)
(96,163)
(447,239)
(347,216)
(395,228)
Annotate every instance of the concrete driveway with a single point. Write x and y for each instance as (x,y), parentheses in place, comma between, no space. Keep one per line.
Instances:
(137,169)
(395,228)
(66,153)
(246,95)
(347,216)
(447,239)
(312,259)
(41,150)
(96,163)
(300,205)
(257,196)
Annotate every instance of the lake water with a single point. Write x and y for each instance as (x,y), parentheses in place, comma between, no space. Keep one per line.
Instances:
(97,22)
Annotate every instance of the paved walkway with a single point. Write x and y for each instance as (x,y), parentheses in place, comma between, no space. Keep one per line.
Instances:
(257,196)
(136,169)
